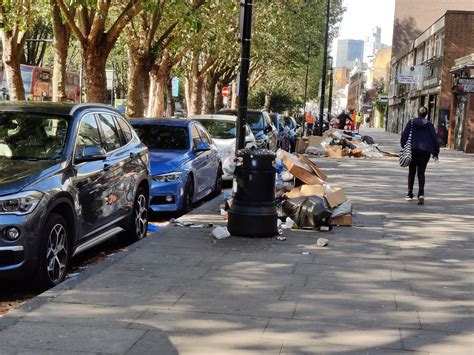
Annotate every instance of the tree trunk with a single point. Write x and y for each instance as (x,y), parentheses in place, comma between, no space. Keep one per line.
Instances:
(234,104)
(209,93)
(219,99)
(268,101)
(188,85)
(95,59)
(159,76)
(61,42)
(196,89)
(156,103)
(61,36)
(140,69)
(11,58)
(170,106)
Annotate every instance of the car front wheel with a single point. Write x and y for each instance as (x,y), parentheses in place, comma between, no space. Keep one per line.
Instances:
(139,225)
(188,195)
(55,253)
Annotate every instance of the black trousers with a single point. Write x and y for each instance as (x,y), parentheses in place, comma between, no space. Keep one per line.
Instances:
(418,164)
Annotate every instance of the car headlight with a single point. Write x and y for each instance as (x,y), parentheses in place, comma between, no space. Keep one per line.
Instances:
(260,142)
(20,203)
(167,177)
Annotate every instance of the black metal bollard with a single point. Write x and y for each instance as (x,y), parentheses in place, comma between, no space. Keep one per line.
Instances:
(253,212)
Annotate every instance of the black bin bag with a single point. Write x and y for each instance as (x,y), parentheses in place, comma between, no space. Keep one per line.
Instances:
(307,212)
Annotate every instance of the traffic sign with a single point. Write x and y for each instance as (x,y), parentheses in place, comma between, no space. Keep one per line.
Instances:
(225,91)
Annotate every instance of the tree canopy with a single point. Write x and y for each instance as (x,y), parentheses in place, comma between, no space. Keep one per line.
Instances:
(148,42)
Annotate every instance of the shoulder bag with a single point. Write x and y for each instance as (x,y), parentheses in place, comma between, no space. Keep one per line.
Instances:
(405,154)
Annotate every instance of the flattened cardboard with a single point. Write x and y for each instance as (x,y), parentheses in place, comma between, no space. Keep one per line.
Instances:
(334,151)
(301,144)
(300,170)
(344,220)
(312,190)
(313,167)
(356,152)
(294,192)
(335,197)
(315,141)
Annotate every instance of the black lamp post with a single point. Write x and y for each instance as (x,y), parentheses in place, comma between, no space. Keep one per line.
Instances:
(244,36)
(331,83)
(323,79)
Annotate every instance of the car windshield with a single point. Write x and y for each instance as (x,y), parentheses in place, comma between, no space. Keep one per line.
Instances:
(163,137)
(219,129)
(255,121)
(289,123)
(25,136)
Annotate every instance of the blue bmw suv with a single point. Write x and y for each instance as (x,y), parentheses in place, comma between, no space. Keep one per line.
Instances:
(71,176)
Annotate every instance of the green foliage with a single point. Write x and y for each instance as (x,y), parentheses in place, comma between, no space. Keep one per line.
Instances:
(280,101)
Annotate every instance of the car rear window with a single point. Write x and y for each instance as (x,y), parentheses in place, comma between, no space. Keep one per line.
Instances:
(255,120)
(25,136)
(163,137)
(219,129)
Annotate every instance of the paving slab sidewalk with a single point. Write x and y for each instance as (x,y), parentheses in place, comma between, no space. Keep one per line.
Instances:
(399,281)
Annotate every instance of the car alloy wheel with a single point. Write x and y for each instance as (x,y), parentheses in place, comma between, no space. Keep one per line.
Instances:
(141,216)
(57,253)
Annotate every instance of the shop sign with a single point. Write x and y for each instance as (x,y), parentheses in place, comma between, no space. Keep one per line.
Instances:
(466,85)
(406,79)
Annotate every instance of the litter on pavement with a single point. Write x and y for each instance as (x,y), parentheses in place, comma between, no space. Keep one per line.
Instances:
(322,242)
(220,232)
(336,143)
(309,201)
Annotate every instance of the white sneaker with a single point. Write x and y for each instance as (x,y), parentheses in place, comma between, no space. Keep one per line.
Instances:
(421,200)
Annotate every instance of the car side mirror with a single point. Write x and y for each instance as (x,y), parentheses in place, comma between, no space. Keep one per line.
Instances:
(267,129)
(92,153)
(202,146)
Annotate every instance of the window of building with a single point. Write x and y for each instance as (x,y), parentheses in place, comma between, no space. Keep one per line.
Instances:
(439,44)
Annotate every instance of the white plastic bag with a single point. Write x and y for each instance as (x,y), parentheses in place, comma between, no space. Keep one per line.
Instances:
(220,232)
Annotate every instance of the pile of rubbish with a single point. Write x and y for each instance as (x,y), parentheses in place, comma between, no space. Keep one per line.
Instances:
(336,143)
(304,198)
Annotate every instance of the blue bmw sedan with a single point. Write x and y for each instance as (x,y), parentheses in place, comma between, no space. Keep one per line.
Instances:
(185,164)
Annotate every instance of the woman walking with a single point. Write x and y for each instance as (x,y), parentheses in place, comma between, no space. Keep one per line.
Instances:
(424,144)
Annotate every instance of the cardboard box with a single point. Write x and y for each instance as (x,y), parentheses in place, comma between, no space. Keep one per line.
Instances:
(313,167)
(335,197)
(299,170)
(356,152)
(345,220)
(315,141)
(312,190)
(293,193)
(301,145)
(334,151)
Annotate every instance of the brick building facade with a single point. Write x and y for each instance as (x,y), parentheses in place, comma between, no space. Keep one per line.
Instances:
(421,72)
(413,17)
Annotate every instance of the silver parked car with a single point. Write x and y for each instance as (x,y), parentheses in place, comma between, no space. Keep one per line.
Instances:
(222,129)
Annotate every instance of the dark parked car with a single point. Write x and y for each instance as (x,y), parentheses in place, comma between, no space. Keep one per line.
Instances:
(185,164)
(71,176)
(260,122)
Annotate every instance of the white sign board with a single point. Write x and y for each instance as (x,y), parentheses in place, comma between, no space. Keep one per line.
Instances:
(406,79)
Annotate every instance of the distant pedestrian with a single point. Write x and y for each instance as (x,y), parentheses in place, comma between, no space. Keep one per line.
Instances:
(424,144)
(342,118)
(310,120)
(358,121)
